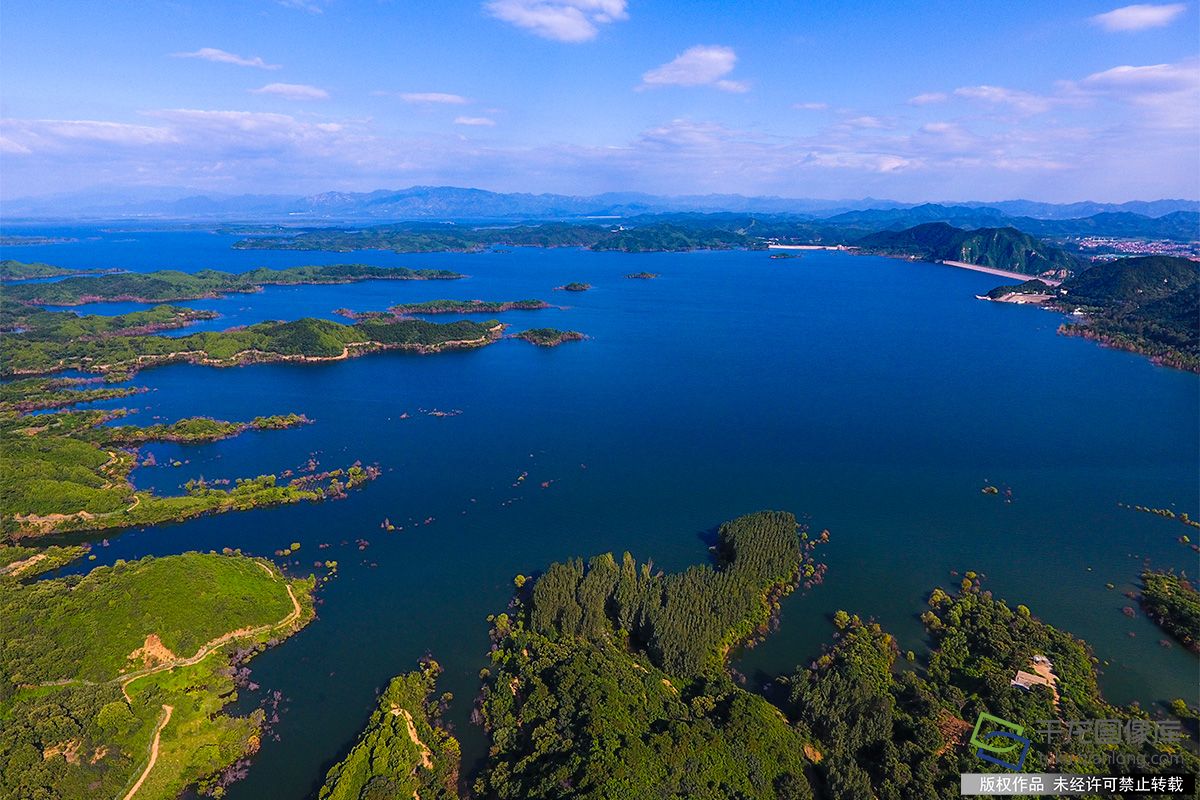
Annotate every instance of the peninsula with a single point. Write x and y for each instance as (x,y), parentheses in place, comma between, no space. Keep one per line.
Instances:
(141,706)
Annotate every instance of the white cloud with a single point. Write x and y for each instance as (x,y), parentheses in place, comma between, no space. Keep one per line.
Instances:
(928,98)
(810,106)
(311,6)
(1139,17)
(562,20)
(485,122)
(702,65)
(292,91)
(436,98)
(865,121)
(224,57)
(1000,96)
(1167,96)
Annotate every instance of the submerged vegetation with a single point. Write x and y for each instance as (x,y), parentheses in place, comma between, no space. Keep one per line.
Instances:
(95,668)
(67,471)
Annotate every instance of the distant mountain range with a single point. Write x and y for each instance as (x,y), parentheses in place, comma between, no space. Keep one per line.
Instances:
(452,203)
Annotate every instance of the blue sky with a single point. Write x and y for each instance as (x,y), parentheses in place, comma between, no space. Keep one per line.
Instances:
(913,101)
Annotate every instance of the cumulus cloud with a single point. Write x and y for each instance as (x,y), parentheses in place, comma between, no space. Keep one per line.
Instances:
(292,91)
(435,98)
(1139,17)
(702,65)
(484,122)
(928,98)
(810,106)
(1024,102)
(225,57)
(561,20)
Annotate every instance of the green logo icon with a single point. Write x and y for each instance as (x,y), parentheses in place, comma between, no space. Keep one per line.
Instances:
(989,737)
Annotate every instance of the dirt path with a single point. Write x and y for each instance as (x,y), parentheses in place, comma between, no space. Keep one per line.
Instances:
(153,751)
(426,754)
(208,647)
(205,649)
(17,567)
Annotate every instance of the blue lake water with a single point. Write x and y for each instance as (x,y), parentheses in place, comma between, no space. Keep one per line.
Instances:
(874,397)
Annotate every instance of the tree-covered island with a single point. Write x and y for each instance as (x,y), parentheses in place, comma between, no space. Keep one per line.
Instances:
(549,337)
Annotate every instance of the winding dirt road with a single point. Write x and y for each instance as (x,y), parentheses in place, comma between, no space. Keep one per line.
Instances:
(153,751)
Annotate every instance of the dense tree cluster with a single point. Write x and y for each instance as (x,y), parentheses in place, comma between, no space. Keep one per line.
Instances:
(1148,305)
(609,682)
(1174,603)
(685,621)
(402,752)
(893,732)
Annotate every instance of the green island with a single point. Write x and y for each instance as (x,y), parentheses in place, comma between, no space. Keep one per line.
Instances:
(402,752)
(166,286)
(609,679)
(549,337)
(447,307)
(1174,603)
(113,684)
(41,351)
(195,429)
(1147,305)
(20,271)
(642,276)
(574,286)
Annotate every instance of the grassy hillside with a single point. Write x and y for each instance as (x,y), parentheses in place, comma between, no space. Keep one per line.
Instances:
(84,678)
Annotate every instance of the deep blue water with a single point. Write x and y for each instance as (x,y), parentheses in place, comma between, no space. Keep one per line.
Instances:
(874,397)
